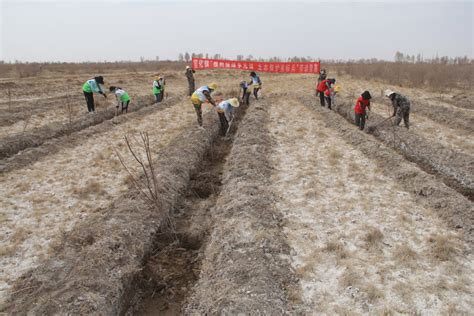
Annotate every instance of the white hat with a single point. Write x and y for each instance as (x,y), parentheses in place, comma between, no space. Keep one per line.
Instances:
(187,67)
(234,102)
(389,92)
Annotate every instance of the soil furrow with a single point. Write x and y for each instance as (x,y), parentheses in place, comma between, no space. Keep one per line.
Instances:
(52,146)
(175,263)
(53,194)
(360,242)
(245,267)
(13,144)
(95,267)
(454,168)
(449,204)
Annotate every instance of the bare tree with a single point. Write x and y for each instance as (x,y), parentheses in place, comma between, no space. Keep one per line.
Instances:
(29,114)
(147,183)
(9,93)
(68,105)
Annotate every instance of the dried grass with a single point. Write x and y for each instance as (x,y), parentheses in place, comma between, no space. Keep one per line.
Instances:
(373,293)
(373,237)
(350,278)
(334,156)
(442,247)
(91,188)
(337,248)
(403,254)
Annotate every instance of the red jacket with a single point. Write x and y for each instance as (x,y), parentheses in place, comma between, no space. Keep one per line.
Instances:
(360,106)
(328,92)
(322,86)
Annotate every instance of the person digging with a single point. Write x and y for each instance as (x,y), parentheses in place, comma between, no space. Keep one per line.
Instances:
(246,92)
(200,96)
(362,103)
(401,107)
(123,99)
(90,87)
(322,87)
(225,110)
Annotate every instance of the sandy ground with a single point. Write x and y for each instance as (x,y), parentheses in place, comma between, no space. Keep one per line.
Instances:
(50,196)
(360,243)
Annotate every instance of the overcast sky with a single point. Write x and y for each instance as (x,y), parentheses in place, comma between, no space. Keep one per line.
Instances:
(86,30)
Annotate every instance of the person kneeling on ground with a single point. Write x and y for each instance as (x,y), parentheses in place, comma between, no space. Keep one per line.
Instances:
(401,107)
(225,110)
(200,96)
(246,91)
(90,87)
(256,83)
(123,100)
(362,103)
(322,87)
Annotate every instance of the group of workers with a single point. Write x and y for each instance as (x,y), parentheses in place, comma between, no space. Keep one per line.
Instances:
(400,103)
(198,97)
(325,88)
(95,85)
(224,107)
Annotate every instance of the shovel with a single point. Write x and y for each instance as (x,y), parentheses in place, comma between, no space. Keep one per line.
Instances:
(372,128)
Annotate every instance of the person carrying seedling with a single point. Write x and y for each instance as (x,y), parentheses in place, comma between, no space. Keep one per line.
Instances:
(90,87)
(200,96)
(123,100)
(225,110)
(159,88)
(256,83)
(362,103)
(246,92)
(401,107)
(322,87)
(189,75)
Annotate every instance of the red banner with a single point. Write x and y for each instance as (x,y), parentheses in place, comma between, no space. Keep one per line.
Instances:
(293,67)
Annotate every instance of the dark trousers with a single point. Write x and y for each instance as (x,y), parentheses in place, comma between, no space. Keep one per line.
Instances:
(403,114)
(90,101)
(191,87)
(124,106)
(246,98)
(329,100)
(321,98)
(360,121)
(255,93)
(198,110)
(159,96)
(224,123)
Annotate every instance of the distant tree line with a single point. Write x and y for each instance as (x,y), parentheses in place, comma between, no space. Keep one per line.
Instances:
(406,58)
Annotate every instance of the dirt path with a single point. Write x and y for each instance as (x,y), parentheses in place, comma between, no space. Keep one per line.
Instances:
(50,196)
(360,242)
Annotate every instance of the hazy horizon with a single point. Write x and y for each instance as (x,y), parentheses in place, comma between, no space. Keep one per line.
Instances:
(73,31)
